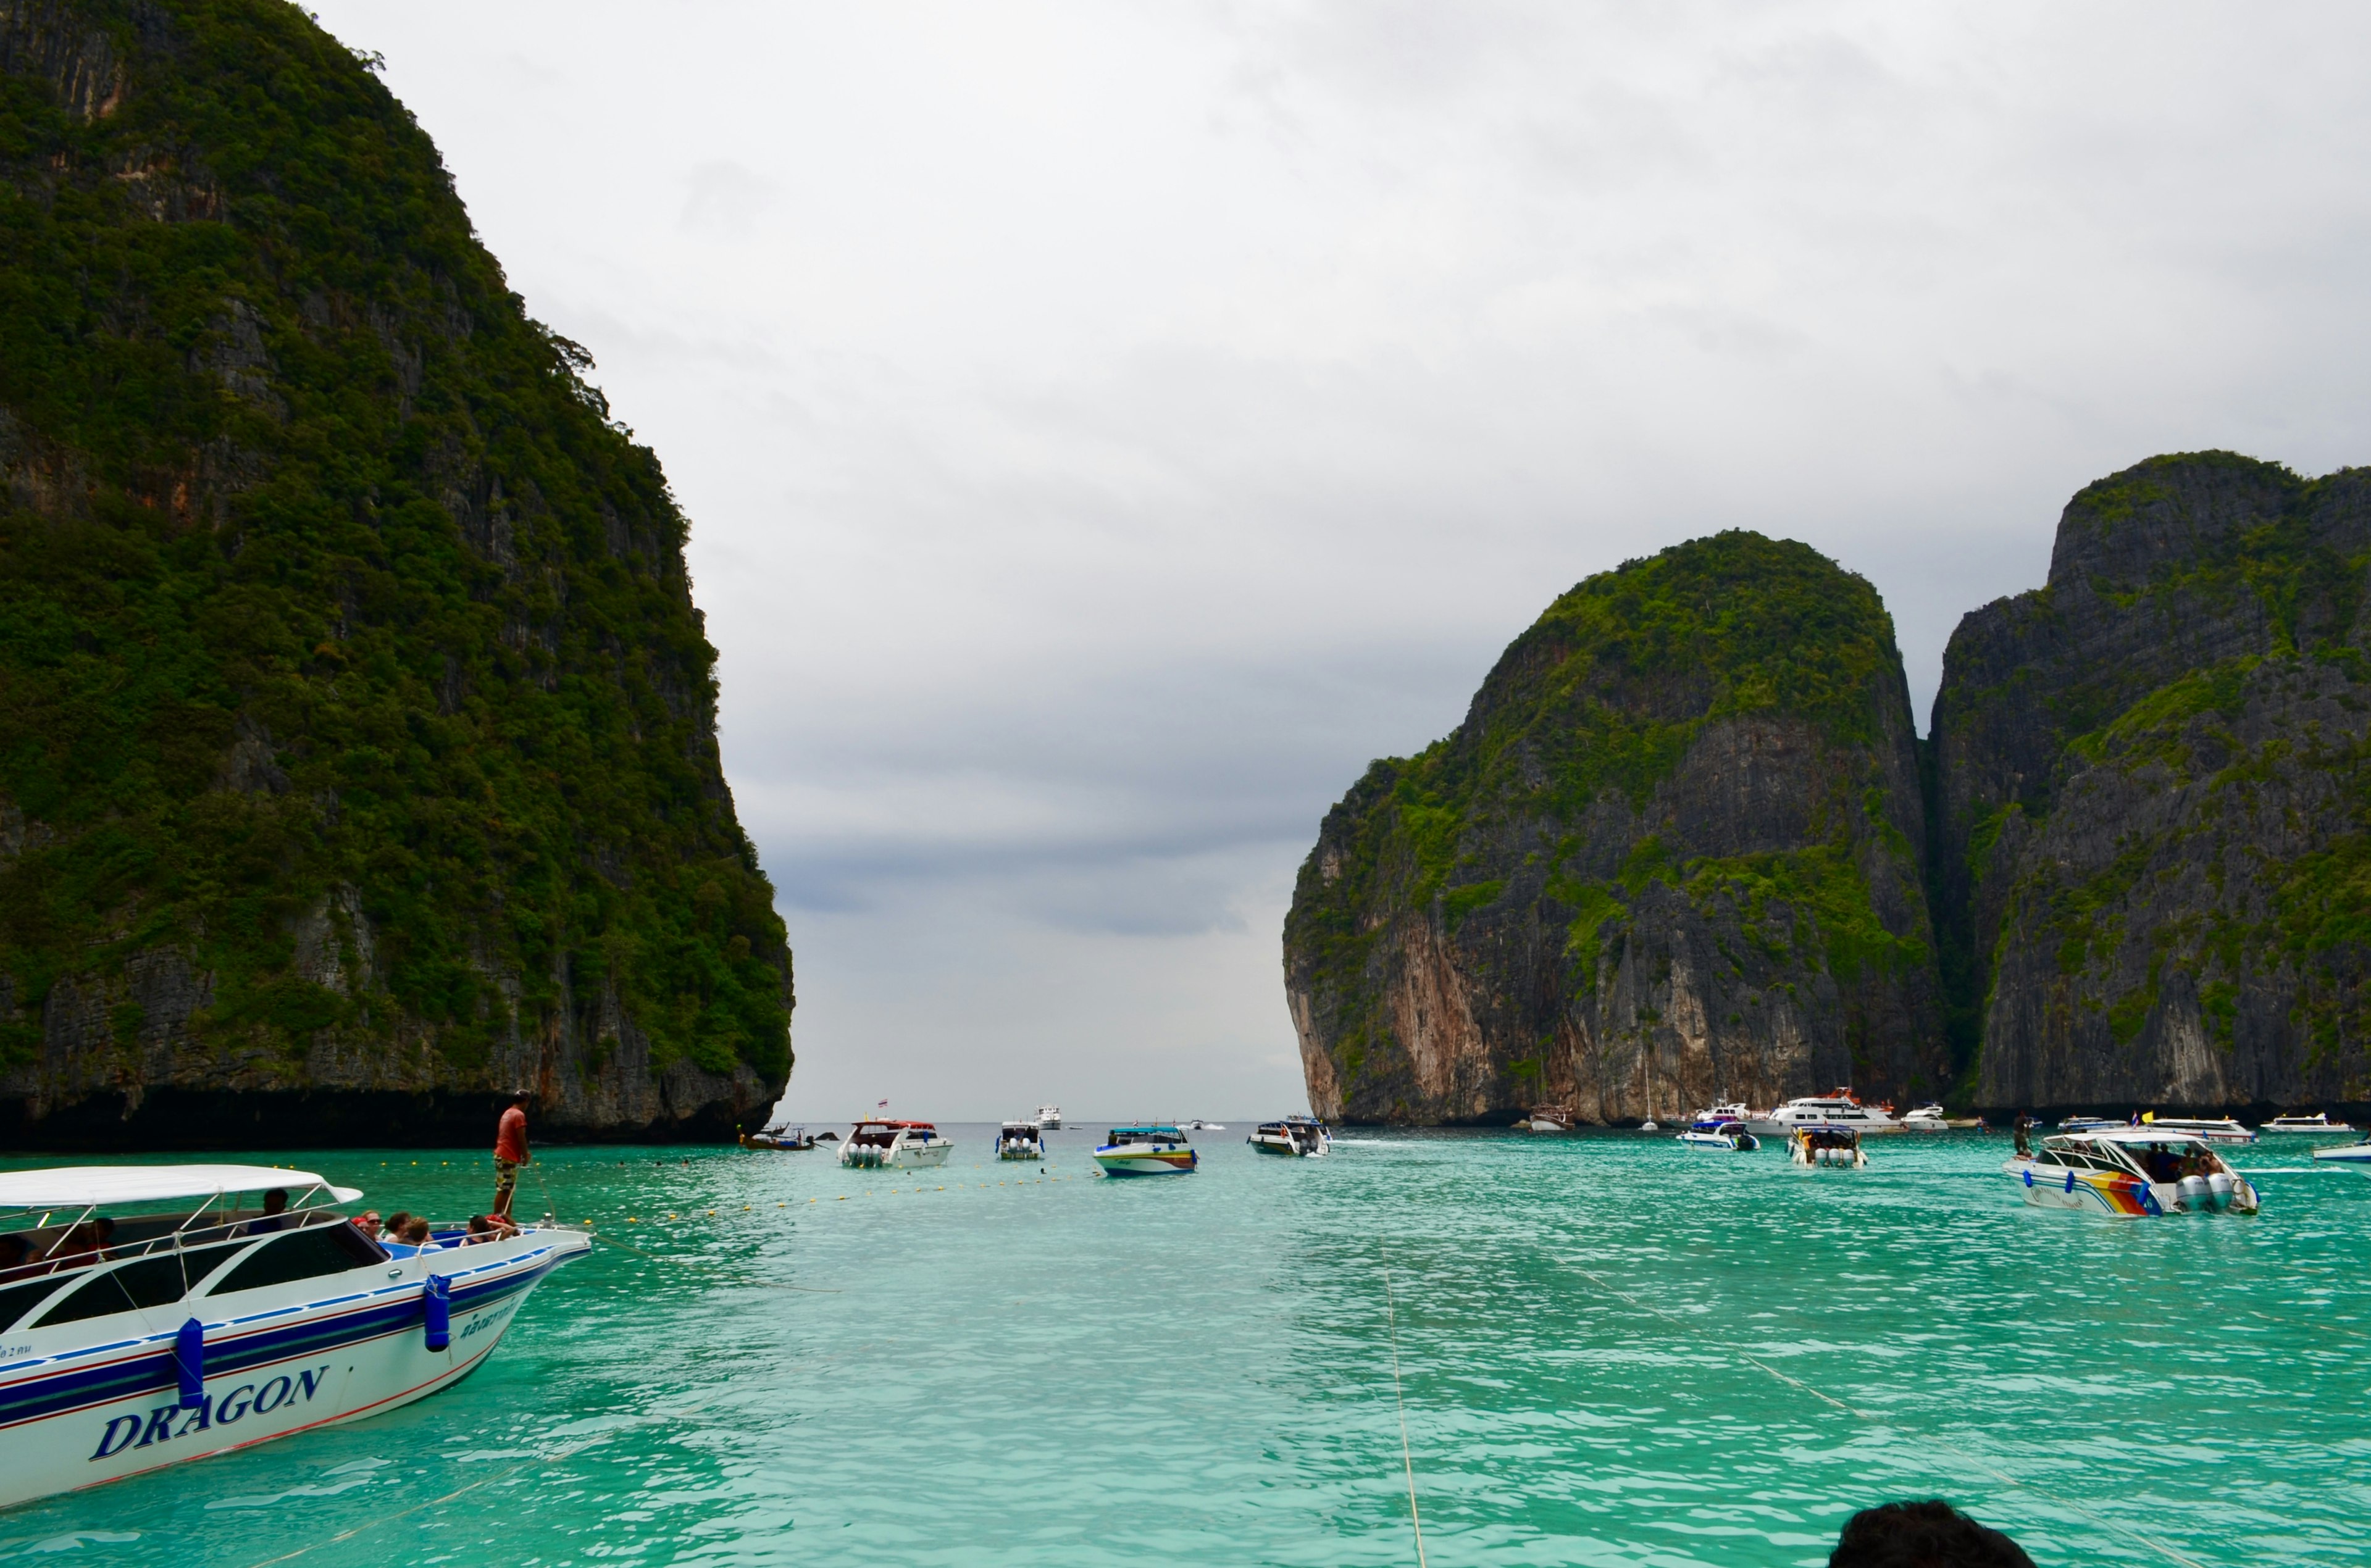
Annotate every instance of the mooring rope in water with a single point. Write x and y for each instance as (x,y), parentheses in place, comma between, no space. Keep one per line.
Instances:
(1408,1460)
(2113,1527)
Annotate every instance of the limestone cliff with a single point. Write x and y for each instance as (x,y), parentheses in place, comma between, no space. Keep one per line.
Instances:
(2154,825)
(358,755)
(1674,854)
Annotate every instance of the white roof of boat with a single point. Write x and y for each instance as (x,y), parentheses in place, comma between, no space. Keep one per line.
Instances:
(72,1185)
(2157,1134)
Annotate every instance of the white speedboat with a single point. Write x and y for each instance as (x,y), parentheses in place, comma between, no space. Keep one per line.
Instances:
(1200,1126)
(1927,1118)
(1714,1131)
(1838,1108)
(1303,1137)
(1049,1118)
(1727,1111)
(896,1145)
(2130,1172)
(1019,1141)
(2357,1155)
(2318,1122)
(1817,1145)
(1547,1119)
(1149,1148)
(151,1314)
(2214,1130)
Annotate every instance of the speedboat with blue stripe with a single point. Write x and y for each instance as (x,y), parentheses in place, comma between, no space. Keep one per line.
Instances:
(153,1314)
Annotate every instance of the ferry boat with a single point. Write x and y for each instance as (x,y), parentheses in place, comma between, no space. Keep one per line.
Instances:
(2318,1122)
(1817,1145)
(1837,1108)
(900,1145)
(1304,1138)
(2130,1171)
(779,1136)
(1049,1118)
(151,1315)
(1019,1141)
(1147,1150)
(1714,1131)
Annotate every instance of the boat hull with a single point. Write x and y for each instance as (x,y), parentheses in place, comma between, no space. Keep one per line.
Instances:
(865,1157)
(2123,1197)
(1179,1164)
(1020,1154)
(80,1419)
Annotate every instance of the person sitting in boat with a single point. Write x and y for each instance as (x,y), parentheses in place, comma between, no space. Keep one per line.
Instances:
(488,1228)
(395,1224)
(276,1215)
(412,1239)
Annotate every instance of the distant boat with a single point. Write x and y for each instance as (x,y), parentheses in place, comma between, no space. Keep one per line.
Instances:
(895,1146)
(779,1138)
(1719,1132)
(2318,1122)
(1548,1119)
(1838,1108)
(2211,1129)
(1814,1145)
(1049,1118)
(2357,1155)
(1200,1126)
(1019,1141)
(1302,1137)
(1151,1148)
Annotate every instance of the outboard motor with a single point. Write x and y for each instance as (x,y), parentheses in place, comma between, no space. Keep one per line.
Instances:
(2219,1189)
(2194,1192)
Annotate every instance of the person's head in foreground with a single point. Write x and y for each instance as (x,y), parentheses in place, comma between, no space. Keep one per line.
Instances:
(1931,1534)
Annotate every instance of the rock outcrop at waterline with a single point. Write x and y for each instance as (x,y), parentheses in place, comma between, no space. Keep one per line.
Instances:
(358,754)
(2155,815)
(1674,854)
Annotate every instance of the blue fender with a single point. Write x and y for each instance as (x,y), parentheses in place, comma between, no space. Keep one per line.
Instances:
(2028,1177)
(189,1363)
(2070,1178)
(438,1300)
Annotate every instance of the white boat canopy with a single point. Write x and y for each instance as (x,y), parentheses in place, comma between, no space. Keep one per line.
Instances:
(76,1186)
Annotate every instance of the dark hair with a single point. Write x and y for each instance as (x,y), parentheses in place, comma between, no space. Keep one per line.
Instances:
(522,1097)
(1931,1534)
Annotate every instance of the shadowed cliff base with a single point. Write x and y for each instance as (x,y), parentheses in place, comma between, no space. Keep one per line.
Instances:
(176,1119)
(357,727)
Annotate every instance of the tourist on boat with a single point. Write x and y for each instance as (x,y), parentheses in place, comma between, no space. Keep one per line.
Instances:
(2024,1133)
(510,1152)
(275,1211)
(395,1224)
(411,1240)
(1931,1534)
(489,1228)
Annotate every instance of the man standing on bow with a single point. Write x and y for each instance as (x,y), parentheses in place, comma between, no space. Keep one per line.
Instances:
(510,1153)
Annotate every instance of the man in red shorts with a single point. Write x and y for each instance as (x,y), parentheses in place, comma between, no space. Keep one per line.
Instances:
(510,1153)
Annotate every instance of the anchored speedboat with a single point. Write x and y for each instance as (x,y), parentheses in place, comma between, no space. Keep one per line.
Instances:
(1148,1150)
(150,1315)
(2318,1122)
(2206,1129)
(1838,1108)
(1818,1145)
(1713,1130)
(1049,1118)
(2357,1155)
(895,1146)
(2130,1171)
(1303,1137)
(1019,1141)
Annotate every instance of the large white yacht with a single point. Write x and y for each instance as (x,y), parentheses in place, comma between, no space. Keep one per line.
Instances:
(1838,1108)
(1049,1118)
(895,1146)
(153,1314)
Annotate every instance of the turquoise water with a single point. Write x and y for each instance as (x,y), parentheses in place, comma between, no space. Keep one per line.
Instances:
(1613,1350)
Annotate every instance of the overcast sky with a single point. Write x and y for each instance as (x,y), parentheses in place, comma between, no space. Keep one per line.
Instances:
(1106,427)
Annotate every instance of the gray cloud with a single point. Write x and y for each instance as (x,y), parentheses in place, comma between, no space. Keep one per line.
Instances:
(1108,427)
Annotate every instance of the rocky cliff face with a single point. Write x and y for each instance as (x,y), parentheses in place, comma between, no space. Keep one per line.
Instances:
(358,754)
(2153,825)
(1674,855)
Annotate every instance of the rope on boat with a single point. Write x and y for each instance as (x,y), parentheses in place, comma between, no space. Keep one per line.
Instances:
(1407,1462)
(2166,1550)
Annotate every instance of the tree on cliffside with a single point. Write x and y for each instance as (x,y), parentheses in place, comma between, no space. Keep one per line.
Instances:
(1674,854)
(357,731)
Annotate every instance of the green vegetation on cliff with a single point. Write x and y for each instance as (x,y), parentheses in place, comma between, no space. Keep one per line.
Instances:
(330,588)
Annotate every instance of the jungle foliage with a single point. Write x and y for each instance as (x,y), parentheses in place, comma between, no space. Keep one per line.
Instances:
(327,584)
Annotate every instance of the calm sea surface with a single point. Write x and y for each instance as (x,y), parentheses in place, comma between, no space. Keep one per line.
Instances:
(1613,1350)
